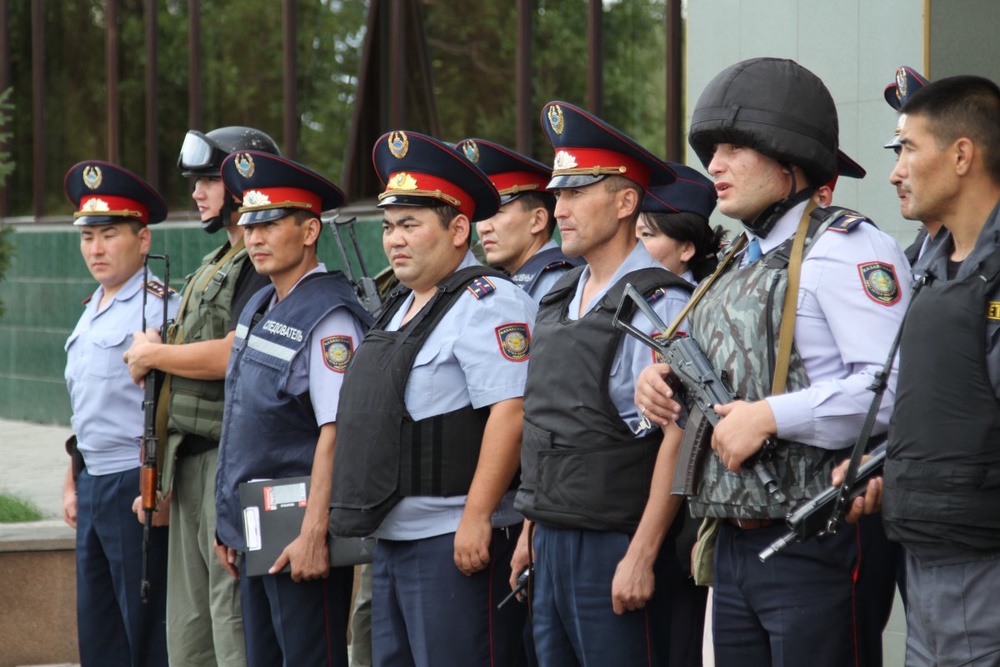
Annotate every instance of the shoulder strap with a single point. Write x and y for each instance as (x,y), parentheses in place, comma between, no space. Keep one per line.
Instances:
(788,312)
(566,282)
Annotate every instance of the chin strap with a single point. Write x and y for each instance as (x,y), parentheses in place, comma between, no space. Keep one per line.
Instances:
(225,217)
(766,220)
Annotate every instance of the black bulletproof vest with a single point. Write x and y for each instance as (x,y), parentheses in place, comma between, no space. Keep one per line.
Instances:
(382,454)
(942,476)
(581,465)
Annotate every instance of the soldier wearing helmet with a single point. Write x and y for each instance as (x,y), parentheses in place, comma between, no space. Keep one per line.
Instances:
(195,356)
(766,129)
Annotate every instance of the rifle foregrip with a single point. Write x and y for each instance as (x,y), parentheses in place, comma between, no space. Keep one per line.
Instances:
(147,487)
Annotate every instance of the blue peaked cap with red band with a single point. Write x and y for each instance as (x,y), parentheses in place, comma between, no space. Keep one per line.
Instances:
(908,81)
(418,170)
(587,150)
(105,194)
(511,172)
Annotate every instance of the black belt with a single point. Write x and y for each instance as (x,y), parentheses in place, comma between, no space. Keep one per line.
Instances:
(194,445)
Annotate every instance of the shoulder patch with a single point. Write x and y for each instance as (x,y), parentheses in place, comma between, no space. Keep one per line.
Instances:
(514,340)
(880,282)
(993,310)
(847,223)
(481,287)
(337,352)
(157,288)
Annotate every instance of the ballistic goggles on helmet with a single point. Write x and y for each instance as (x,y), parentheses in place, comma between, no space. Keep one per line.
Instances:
(200,155)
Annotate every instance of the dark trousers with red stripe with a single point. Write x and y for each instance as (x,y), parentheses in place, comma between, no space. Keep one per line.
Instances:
(574,622)
(426,613)
(796,609)
(296,624)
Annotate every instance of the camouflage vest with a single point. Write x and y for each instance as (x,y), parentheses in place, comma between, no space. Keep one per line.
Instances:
(196,405)
(737,324)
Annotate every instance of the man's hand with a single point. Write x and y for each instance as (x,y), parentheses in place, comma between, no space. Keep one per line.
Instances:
(742,431)
(161,517)
(69,498)
(472,543)
(521,556)
(654,397)
(309,556)
(137,356)
(633,584)
(227,559)
(869,502)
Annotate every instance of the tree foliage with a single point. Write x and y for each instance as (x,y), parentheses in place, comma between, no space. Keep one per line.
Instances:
(471,43)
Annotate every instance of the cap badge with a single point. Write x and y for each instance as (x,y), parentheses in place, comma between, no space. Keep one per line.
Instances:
(94,204)
(901,83)
(255,198)
(564,160)
(471,150)
(399,144)
(556,119)
(402,181)
(244,165)
(92,177)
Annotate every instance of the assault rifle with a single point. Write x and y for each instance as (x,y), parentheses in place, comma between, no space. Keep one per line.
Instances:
(812,519)
(701,387)
(150,441)
(363,284)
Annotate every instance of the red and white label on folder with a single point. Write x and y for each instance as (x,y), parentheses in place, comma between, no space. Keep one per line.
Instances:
(285,495)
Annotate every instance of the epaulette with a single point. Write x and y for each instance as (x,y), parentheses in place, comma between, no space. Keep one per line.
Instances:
(481,287)
(87,300)
(156,288)
(558,264)
(656,295)
(848,222)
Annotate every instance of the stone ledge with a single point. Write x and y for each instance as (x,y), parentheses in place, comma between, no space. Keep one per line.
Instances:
(48,535)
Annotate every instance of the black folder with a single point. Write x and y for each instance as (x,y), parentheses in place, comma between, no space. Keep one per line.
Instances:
(272,517)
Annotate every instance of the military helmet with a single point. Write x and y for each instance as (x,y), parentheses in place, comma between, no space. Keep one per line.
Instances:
(774,106)
(203,154)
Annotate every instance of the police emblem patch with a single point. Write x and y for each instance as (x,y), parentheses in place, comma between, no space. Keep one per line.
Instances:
(244,165)
(993,310)
(337,352)
(514,340)
(556,119)
(471,150)
(880,283)
(92,177)
(399,145)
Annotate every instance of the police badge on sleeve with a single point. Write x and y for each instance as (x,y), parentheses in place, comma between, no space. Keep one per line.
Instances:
(514,341)
(880,283)
(337,352)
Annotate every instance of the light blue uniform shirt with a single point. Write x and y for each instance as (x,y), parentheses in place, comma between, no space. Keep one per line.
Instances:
(632,355)
(312,371)
(460,363)
(842,334)
(107,405)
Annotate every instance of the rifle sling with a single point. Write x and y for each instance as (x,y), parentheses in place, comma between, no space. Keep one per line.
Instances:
(788,312)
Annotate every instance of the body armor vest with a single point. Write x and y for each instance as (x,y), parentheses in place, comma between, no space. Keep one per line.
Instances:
(546,260)
(581,464)
(384,455)
(736,323)
(268,432)
(196,405)
(942,473)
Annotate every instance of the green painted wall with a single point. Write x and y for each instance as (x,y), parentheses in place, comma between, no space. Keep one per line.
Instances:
(44,288)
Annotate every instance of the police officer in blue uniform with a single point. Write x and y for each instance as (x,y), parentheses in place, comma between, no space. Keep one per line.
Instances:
(430,437)
(293,342)
(518,238)
(767,131)
(594,479)
(674,225)
(114,209)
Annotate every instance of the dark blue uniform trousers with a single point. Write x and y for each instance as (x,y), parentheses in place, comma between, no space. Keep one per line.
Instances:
(796,609)
(426,613)
(574,622)
(296,624)
(115,628)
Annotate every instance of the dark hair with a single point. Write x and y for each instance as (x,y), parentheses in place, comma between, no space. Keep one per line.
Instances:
(301,215)
(539,199)
(687,227)
(445,214)
(962,106)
